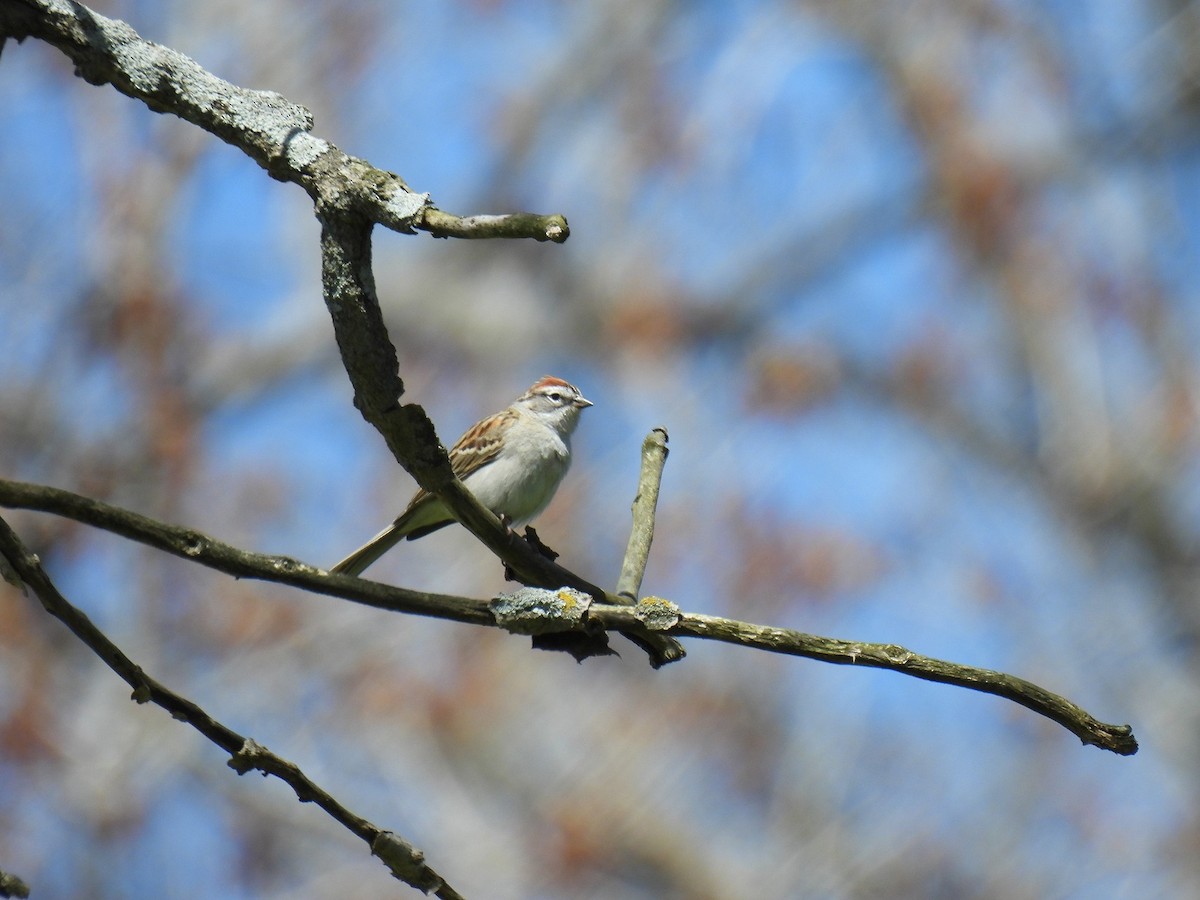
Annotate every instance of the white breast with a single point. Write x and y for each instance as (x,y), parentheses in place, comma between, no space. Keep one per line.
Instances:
(522,480)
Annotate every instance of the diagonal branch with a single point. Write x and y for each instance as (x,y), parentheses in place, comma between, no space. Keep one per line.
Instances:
(652,616)
(405,861)
(267,127)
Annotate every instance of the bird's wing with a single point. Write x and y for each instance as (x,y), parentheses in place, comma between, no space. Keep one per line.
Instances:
(425,512)
(481,444)
(475,449)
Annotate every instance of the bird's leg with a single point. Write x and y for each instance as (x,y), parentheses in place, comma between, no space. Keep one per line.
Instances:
(506,521)
(531,538)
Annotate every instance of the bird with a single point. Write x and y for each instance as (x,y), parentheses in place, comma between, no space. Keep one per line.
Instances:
(512,461)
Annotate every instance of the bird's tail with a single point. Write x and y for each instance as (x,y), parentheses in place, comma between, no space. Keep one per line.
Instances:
(356,562)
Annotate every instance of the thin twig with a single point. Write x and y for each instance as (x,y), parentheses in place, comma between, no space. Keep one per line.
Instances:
(513,225)
(405,862)
(1117,738)
(641,535)
(652,615)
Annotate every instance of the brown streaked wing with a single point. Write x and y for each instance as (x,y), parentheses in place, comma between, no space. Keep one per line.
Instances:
(480,445)
(470,452)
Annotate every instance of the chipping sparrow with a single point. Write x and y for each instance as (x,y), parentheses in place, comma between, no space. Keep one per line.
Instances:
(512,462)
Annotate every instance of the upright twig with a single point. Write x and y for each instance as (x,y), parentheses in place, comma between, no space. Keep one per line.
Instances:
(641,535)
(405,861)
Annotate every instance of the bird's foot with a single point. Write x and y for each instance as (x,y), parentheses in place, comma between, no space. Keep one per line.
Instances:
(531,538)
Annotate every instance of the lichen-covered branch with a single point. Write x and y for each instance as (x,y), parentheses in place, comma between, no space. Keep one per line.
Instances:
(581,613)
(270,129)
(193,545)
(405,862)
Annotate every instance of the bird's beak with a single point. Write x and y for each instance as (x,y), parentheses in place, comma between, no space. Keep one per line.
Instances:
(583,402)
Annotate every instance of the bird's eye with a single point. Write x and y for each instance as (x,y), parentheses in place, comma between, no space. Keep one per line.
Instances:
(556,397)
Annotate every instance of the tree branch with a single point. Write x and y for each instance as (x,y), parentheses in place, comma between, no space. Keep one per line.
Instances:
(641,535)
(267,127)
(405,862)
(192,545)
(516,225)
(350,196)
(662,615)
(652,615)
